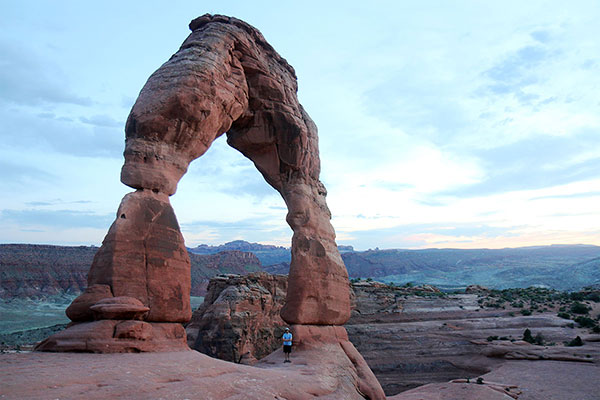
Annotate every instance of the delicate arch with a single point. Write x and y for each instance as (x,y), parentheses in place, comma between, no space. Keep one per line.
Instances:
(227,78)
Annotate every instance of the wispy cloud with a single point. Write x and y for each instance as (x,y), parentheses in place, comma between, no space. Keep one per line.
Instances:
(27,81)
(62,219)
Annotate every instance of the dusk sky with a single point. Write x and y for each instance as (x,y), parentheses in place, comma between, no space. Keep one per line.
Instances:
(462,124)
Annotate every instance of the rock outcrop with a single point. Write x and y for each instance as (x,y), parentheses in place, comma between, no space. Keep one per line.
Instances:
(206,266)
(239,320)
(409,336)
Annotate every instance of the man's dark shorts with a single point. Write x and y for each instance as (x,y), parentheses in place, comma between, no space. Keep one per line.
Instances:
(287,349)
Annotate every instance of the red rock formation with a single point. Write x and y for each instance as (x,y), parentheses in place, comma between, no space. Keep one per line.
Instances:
(227,78)
(224,78)
(239,320)
(144,256)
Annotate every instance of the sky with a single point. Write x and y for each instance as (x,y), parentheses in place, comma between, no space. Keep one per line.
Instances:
(464,124)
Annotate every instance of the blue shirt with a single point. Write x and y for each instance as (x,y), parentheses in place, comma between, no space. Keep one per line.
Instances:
(287,339)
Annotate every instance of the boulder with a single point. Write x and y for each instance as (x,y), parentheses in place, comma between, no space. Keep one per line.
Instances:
(239,320)
(79,310)
(122,307)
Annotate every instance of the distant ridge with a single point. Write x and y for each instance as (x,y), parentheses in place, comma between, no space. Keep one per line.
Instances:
(28,270)
(240,245)
(39,271)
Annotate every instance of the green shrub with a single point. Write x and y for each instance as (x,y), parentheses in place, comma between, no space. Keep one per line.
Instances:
(538,339)
(579,308)
(527,336)
(577,296)
(526,312)
(595,297)
(564,315)
(492,338)
(585,322)
(575,342)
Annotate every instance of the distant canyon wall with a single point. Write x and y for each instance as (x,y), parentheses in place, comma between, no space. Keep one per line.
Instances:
(39,271)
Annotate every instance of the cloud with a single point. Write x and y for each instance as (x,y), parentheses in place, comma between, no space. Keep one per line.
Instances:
(51,133)
(55,202)
(568,196)
(226,170)
(102,121)
(542,36)
(253,229)
(53,219)
(534,163)
(27,78)
(21,174)
(424,235)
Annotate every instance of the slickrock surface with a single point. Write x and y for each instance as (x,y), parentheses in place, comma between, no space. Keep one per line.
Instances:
(325,373)
(436,339)
(117,336)
(414,336)
(239,320)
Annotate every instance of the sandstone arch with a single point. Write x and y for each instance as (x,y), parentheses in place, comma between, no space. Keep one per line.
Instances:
(225,78)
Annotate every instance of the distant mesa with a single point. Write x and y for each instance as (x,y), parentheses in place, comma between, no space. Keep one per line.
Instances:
(240,245)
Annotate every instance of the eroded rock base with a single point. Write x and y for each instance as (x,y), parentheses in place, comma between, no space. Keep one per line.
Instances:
(117,336)
(311,338)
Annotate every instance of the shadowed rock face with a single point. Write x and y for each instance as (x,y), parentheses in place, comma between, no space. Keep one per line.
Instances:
(225,78)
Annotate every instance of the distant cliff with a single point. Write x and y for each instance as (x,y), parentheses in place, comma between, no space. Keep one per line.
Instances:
(39,271)
(42,270)
(562,267)
(29,270)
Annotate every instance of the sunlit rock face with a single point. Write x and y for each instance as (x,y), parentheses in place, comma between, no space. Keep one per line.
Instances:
(225,78)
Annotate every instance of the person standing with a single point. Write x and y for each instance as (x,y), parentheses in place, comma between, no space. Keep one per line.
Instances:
(287,344)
